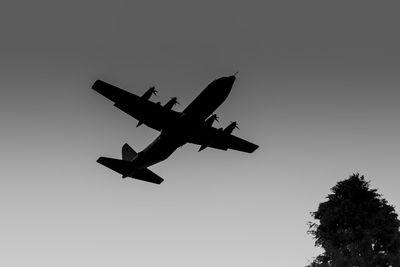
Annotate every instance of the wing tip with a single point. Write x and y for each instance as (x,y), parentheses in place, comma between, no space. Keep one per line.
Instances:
(254,148)
(249,149)
(100,160)
(96,84)
(147,176)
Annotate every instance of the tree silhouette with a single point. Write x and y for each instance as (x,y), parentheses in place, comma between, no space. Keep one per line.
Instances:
(356,227)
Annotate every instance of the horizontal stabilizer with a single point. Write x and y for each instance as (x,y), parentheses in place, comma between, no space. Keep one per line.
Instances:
(125,167)
(147,176)
(117,165)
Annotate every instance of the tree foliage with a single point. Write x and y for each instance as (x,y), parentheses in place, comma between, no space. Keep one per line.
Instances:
(356,227)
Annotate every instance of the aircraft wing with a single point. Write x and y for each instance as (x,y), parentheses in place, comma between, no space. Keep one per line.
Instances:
(216,138)
(145,111)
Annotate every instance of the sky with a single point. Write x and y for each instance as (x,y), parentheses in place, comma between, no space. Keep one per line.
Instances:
(317,90)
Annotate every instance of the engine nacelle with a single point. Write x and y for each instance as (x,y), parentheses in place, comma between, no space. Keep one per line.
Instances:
(172,102)
(151,91)
(211,119)
(229,129)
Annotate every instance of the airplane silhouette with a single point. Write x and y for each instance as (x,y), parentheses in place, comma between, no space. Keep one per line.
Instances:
(192,125)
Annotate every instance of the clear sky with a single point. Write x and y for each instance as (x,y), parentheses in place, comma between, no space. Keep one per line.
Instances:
(318,90)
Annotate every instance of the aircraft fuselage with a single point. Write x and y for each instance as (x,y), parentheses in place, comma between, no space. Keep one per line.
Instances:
(183,128)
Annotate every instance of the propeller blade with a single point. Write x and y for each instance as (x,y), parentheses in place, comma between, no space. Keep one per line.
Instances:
(236,124)
(175,100)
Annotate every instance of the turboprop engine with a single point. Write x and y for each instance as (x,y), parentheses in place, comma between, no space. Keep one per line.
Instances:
(229,129)
(215,135)
(211,119)
(172,102)
(151,91)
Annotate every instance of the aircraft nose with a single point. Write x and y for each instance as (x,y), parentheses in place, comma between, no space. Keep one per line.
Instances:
(232,79)
(225,81)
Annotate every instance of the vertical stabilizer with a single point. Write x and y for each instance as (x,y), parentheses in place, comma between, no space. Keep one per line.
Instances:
(128,153)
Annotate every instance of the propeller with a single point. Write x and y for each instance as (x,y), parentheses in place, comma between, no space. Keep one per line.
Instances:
(153,90)
(172,101)
(175,99)
(211,120)
(214,117)
(232,126)
(236,124)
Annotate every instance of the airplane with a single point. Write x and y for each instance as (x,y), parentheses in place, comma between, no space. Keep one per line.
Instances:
(192,125)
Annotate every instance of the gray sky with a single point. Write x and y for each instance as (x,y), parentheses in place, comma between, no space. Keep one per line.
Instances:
(317,90)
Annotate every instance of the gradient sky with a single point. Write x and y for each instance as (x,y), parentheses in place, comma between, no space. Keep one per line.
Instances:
(318,90)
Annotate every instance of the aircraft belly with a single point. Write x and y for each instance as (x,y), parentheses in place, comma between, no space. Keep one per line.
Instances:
(158,151)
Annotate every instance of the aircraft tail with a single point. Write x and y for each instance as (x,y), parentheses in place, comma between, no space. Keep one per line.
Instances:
(125,167)
(128,153)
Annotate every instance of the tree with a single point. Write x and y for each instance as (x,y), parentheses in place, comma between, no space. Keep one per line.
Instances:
(356,227)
